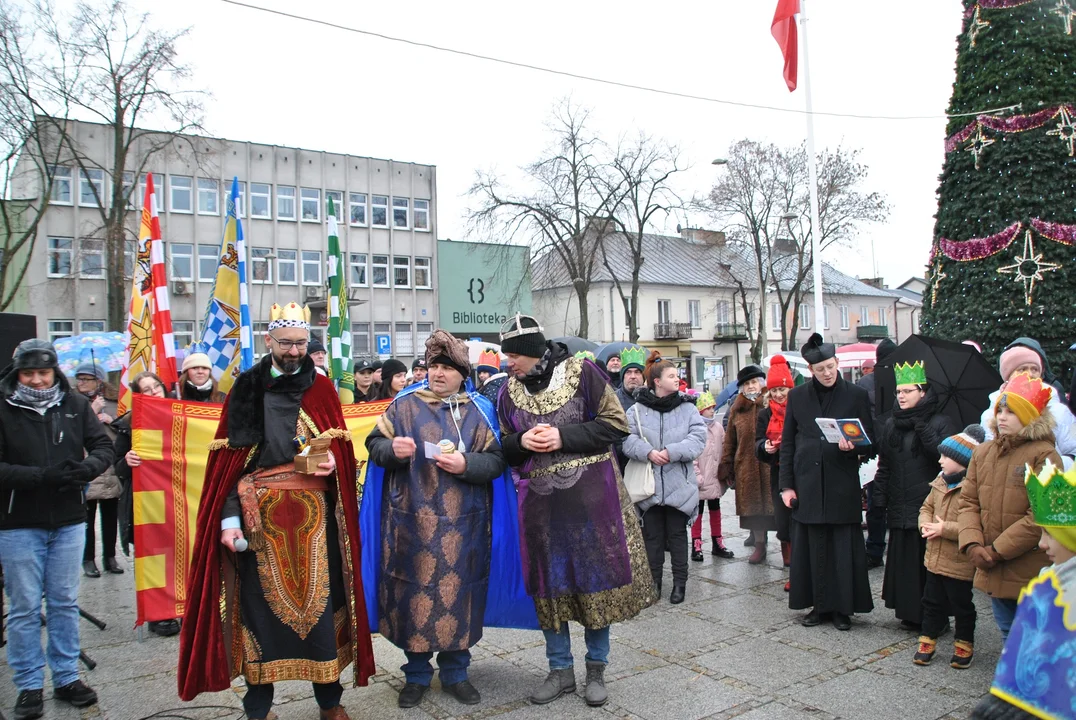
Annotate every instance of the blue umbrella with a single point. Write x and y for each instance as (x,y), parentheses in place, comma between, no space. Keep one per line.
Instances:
(105,350)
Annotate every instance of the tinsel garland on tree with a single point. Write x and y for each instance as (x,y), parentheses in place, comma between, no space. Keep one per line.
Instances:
(1003,263)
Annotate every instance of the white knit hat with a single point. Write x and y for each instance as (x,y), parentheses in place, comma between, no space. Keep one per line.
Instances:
(196,360)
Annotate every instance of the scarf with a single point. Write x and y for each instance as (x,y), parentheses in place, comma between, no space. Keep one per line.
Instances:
(777,421)
(954,479)
(541,374)
(39,400)
(905,420)
(208,385)
(648,398)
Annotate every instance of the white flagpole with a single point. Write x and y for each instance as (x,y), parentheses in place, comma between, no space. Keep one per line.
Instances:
(816,226)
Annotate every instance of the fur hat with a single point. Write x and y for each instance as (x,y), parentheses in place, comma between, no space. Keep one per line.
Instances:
(195,360)
(35,354)
(1016,356)
(779,375)
(959,447)
(750,372)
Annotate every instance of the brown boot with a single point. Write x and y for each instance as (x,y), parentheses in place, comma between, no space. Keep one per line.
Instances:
(786,553)
(759,554)
(336,713)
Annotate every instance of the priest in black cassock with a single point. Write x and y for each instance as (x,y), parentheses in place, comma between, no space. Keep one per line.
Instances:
(820,484)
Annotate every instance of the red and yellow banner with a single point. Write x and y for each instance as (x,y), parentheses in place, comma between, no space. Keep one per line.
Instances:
(173,437)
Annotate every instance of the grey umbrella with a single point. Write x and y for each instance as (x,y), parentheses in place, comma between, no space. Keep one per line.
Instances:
(575,344)
(606,351)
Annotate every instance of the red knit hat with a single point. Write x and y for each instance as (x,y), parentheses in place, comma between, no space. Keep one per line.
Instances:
(779,374)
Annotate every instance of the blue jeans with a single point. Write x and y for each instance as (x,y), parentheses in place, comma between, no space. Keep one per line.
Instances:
(42,562)
(1004,612)
(453,665)
(558,646)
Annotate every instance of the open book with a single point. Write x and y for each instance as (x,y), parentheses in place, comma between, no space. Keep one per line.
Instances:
(850,429)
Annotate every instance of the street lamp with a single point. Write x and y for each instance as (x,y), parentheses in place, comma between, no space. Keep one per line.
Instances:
(816,266)
(719,161)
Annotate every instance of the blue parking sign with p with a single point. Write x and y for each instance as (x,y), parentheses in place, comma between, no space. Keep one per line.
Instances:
(384,345)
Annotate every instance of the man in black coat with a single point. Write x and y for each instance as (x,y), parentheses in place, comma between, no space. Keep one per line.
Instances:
(820,484)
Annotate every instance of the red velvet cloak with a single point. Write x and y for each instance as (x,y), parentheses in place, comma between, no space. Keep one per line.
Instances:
(204,658)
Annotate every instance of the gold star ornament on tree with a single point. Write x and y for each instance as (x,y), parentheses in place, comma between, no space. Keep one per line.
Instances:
(1028,268)
(978,143)
(1068,14)
(977,25)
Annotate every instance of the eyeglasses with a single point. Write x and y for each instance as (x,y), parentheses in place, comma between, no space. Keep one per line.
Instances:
(915,389)
(150,389)
(286,345)
(85,379)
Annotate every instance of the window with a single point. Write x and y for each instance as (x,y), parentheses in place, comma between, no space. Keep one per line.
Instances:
(240,202)
(844,317)
(805,316)
(404,341)
(380,271)
(261,271)
(310,199)
(259,201)
(208,263)
(379,211)
(883,316)
(864,315)
(91,258)
(129,192)
(61,329)
(129,250)
(179,199)
(422,272)
(142,191)
(285,266)
(722,310)
(61,251)
(357,202)
(358,269)
(400,207)
(183,332)
(91,187)
(360,339)
(91,326)
(208,197)
(182,261)
(285,203)
(61,185)
(338,204)
(775,316)
(664,311)
(422,215)
(311,267)
(423,330)
(318,333)
(825,317)
(401,271)
(694,313)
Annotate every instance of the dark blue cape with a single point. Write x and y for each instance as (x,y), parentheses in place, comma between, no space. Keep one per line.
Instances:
(507,602)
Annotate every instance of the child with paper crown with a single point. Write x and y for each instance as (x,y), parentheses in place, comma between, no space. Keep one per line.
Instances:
(710,488)
(1034,677)
(949,573)
(996,531)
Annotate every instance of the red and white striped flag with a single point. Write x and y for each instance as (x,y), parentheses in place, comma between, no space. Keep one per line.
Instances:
(150,343)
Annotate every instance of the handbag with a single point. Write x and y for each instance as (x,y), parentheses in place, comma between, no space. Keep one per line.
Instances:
(638,474)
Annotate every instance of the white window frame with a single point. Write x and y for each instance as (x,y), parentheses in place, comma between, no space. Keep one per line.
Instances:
(805,316)
(259,256)
(379,202)
(355,261)
(209,191)
(186,250)
(88,248)
(375,266)
(421,215)
(359,330)
(207,253)
(267,196)
(864,315)
(60,329)
(183,330)
(338,203)
(406,332)
(94,177)
(775,316)
(61,178)
(883,316)
(664,312)
(241,201)
(128,190)
(401,205)
(285,194)
(356,201)
(844,318)
(311,259)
(422,334)
(61,247)
(88,326)
(287,259)
(180,183)
(397,265)
(694,313)
(423,266)
(130,247)
(825,317)
(722,313)
(156,191)
(310,204)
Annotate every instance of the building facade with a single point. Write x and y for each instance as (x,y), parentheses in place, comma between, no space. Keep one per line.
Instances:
(386,211)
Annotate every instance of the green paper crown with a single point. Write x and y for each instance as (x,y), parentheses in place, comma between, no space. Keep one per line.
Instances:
(585,355)
(1052,495)
(914,374)
(633,356)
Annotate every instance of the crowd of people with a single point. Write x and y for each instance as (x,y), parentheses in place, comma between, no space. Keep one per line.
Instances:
(547,493)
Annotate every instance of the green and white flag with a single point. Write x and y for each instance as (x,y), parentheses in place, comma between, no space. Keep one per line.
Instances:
(340,367)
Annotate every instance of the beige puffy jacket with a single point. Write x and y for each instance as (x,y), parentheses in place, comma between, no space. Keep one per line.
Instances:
(943,556)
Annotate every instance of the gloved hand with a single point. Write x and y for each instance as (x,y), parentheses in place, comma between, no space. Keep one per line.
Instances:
(77,474)
(56,475)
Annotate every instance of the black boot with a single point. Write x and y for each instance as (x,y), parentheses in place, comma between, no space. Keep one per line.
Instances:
(696,550)
(719,548)
(677,595)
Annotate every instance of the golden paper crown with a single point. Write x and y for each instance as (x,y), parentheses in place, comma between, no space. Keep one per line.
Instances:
(291,315)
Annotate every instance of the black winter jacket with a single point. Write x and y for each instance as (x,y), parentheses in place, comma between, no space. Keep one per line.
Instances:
(31,442)
(907,463)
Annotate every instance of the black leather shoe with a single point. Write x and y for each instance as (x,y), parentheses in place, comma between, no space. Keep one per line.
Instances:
(677,595)
(112,566)
(874,561)
(30,705)
(842,621)
(912,626)
(77,693)
(411,695)
(813,618)
(164,628)
(89,569)
(464,691)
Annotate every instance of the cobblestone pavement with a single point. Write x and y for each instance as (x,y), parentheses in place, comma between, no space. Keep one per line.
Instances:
(733,649)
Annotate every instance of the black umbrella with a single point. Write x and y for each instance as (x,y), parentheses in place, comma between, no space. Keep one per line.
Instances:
(608,350)
(575,344)
(958,373)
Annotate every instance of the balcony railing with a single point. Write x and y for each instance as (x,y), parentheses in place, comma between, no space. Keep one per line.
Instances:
(672,331)
(730,331)
(872,332)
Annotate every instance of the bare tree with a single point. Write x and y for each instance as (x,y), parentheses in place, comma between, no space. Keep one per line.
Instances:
(566,191)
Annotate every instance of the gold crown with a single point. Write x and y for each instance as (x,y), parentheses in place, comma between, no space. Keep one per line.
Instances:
(291,315)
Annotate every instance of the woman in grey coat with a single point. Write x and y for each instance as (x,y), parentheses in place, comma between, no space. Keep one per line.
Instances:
(667,430)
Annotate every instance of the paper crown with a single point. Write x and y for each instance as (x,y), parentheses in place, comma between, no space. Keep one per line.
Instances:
(633,355)
(585,355)
(914,374)
(1052,495)
(705,400)
(1033,391)
(489,358)
(290,315)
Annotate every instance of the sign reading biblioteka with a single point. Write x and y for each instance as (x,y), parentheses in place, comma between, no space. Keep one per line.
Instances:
(479,286)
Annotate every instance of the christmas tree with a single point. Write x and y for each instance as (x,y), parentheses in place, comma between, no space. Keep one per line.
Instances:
(1003,262)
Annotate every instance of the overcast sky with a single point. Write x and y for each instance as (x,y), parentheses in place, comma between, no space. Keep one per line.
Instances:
(282,81)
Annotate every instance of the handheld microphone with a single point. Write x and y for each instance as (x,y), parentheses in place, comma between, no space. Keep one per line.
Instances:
(241,545)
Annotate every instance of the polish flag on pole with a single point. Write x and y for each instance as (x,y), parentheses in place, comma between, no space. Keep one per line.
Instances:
(783,29)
